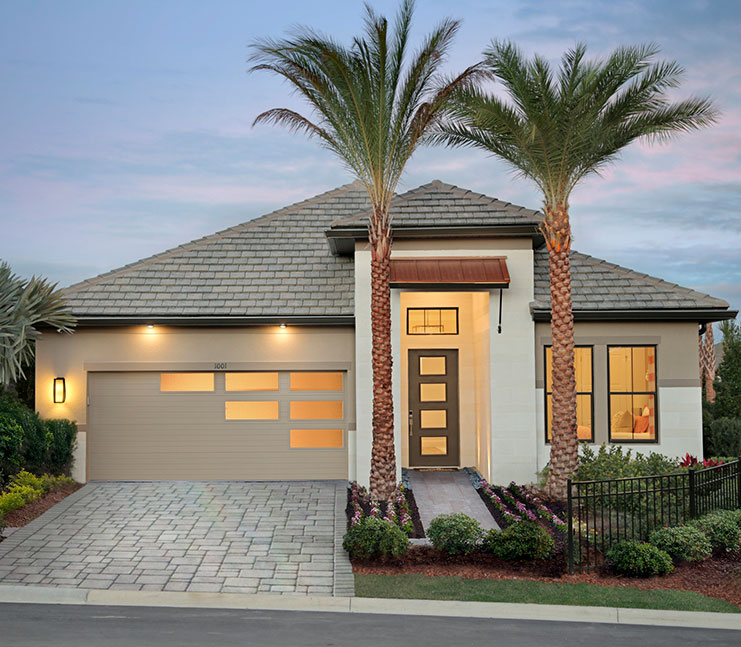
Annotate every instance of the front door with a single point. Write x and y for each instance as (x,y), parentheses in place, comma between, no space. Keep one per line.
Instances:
(433,408)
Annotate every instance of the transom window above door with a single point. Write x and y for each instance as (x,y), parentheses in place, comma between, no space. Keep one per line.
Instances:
(432,321)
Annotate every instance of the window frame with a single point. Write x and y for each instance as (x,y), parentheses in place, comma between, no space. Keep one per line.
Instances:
(655,393)
(546,393)
(441,308)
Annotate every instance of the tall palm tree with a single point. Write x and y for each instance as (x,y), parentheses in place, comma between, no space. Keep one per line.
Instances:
(24,305)
(372,108)
(556,128)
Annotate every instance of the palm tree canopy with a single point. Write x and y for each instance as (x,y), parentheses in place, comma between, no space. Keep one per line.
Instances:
(369,105)
(558,127)
(24,305)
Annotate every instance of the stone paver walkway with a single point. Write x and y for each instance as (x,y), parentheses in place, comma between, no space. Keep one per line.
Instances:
(230,537)
(446,492)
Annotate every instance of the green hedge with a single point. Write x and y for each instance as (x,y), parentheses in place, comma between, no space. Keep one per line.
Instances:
(455,534)
(683,543)
(526,540)
(29,442)
(372,537)
(638,559)
(613,463)
(25,488)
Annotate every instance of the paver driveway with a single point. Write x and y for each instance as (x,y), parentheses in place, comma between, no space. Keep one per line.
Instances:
(224,536)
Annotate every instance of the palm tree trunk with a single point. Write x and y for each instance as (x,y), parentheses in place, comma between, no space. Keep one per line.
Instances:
(383,457)
(564,443)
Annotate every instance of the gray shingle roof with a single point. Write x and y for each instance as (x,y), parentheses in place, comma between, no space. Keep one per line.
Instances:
(281,265)
(278,264)
(599,285)
(444,205)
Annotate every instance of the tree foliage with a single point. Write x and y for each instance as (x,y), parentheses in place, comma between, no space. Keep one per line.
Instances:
(728,376)
(24,306)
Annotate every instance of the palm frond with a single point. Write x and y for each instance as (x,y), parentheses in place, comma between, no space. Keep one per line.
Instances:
(25,305)
(558,127)
(371,102)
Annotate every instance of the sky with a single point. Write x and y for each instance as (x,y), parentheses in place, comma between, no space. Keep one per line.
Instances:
(126,129)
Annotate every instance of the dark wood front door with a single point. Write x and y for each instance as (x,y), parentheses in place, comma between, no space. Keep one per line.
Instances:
(433,408)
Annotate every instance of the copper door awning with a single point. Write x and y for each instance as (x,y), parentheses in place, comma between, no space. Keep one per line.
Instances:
(459,272)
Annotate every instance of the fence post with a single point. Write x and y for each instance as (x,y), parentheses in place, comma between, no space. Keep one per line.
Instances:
(738,485)
(570,527)
(693,504)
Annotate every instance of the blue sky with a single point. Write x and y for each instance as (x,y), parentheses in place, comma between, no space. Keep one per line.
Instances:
(126,129)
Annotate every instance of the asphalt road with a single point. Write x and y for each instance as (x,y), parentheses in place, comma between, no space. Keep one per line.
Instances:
(97,626)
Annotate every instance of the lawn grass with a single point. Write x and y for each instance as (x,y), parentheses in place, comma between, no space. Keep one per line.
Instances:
(422,587)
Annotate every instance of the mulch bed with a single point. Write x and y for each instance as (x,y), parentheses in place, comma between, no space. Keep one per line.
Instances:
(30,511)
(718,577)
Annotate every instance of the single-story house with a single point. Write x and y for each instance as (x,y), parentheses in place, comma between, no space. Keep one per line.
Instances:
(247,354)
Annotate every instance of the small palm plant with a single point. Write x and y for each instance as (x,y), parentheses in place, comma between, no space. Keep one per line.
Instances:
(556,128)
(372,105)
(25,305)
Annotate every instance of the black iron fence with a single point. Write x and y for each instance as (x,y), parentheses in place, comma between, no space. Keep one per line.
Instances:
(602,513)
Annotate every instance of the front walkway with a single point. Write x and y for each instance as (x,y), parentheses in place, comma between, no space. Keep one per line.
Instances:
(446,492)
(211,536)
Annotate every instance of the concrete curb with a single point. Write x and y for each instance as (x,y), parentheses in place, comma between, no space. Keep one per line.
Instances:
(438,608)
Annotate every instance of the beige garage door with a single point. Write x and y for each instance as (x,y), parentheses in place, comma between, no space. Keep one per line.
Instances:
(217,425)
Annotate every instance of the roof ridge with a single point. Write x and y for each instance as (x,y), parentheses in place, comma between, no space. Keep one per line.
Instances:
(646,277)
(474,196)
(148,260)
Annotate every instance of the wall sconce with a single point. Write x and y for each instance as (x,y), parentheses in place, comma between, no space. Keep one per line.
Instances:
(282,326)
(60,390)
(150,326)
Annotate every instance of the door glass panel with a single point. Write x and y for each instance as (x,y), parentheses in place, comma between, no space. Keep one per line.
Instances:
(316,410)
(432,365)
(308,381)
(186,382)
(251,381)
(316,438)
(434,445)
(433,392)
(433,418)
(252,410)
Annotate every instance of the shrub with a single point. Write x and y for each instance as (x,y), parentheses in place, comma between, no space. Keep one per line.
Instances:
(24,478)
(638,559)
(722,529)
(683,543)
(51,483)
(48,445)
(523,540)
(11,441)
(455,534)
(61,438)
(372,537)
(10,501)
(723,437)
(613,462)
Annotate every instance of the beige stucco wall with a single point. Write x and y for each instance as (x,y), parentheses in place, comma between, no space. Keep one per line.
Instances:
(510,445)
(679,393)
(137,348)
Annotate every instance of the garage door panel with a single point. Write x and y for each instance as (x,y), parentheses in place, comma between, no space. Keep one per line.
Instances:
(137,432)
